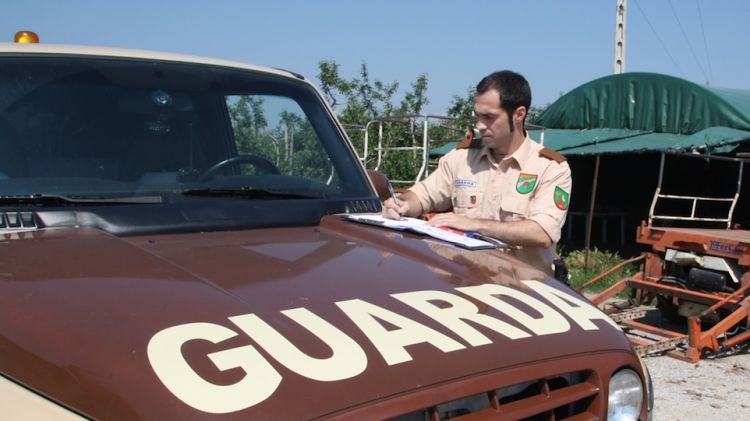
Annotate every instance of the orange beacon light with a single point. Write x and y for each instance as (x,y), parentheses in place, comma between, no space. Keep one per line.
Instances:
(26,37)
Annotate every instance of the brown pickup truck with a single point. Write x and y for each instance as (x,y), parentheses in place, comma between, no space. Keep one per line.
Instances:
(173,246)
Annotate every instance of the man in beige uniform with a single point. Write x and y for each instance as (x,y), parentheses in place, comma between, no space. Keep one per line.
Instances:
(505,185)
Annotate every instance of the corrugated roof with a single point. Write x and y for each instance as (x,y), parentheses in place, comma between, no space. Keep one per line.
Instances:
(612,141)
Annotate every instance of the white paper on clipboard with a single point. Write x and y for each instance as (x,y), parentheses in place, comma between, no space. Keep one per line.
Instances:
(420,226)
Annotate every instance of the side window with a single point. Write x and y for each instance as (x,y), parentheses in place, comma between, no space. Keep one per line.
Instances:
(277,129)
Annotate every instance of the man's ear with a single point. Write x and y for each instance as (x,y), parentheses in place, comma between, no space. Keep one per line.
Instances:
(519,114)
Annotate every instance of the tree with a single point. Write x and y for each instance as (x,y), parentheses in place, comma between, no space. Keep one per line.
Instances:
(361,100)
(415,99)
(291,145)
(534,113)
(250,125)
(462,108)
(358,100)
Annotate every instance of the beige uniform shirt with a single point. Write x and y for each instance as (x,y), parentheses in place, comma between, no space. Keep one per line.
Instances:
(524,185)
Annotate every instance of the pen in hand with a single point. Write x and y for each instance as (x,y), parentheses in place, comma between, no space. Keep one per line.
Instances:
(396,201)
(393,194)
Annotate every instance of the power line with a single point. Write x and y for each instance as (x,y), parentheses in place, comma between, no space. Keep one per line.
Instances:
(705,44)
(664,46)
(687,41)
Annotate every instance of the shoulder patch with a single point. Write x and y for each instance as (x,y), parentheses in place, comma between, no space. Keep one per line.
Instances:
(553,155)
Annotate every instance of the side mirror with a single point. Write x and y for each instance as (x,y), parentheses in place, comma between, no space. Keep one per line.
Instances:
(380,182)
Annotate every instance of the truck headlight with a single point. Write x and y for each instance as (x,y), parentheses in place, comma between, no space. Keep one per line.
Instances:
(625,396)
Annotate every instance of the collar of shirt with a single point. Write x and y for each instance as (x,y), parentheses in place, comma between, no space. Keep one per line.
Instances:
(520,156)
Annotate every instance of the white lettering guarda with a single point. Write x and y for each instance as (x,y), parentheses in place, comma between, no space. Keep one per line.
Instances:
(391,343)
(550,321)
(453,317)
(348,359)
(165,354)
(579,311)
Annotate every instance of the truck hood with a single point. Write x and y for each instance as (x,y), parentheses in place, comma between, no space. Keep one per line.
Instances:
(302,321)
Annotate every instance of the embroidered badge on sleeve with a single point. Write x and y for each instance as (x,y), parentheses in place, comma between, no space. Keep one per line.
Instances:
(561,198)
(525,183)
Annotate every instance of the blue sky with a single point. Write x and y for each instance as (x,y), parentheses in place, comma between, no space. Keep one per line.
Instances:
(557,45)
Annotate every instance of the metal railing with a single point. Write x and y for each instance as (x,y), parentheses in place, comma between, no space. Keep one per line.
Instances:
(695,200)
(422,149)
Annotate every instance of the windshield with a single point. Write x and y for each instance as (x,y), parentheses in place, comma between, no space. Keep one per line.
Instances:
(113,127)
(85,129)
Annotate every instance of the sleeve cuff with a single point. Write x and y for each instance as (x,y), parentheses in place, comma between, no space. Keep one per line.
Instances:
(549,225)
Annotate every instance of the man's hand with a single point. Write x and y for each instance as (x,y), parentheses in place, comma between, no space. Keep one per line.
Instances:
(393,210)
(525,233)
(406,204)
(452,220)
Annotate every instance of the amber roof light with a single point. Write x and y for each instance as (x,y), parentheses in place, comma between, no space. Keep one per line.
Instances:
(26,37)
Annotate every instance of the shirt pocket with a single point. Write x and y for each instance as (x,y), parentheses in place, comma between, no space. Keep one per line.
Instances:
(463,200)
(513,208)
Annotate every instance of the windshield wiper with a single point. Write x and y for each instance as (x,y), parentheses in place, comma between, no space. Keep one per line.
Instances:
(249,192)
(44,199)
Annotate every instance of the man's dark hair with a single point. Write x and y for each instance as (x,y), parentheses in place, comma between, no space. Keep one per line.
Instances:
(513,88)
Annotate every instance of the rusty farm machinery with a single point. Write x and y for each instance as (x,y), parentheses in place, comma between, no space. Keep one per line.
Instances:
(698,277)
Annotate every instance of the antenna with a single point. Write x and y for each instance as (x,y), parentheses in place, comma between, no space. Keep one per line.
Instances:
(621,20)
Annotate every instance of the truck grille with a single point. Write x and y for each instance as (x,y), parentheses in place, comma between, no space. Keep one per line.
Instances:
(572,388)
(563,397)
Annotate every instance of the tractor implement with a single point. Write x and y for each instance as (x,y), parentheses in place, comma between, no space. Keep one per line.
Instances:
(696,279)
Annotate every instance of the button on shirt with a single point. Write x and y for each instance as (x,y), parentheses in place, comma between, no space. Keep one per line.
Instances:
(523,185)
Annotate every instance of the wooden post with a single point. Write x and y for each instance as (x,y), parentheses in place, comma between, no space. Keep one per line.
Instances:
(590,216)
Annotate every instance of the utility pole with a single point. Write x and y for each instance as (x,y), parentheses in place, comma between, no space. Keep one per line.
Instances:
(621,20)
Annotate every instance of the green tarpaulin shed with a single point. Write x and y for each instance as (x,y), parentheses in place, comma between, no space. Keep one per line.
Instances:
(640,112)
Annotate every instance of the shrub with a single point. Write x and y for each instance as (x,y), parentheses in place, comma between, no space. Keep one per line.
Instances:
(599,261)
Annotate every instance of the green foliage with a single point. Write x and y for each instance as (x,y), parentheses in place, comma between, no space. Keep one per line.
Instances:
(599,261)
(357,101)
(361,100)
(532,117)
(250,125)
(462,108)
(292,145)
(415,99)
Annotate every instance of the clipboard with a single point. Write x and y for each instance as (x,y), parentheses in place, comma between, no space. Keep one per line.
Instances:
(419,226)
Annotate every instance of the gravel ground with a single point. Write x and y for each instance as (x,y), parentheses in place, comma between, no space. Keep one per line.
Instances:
(717,388)
(714,389)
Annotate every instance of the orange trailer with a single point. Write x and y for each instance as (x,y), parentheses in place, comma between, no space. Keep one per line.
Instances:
(698,278)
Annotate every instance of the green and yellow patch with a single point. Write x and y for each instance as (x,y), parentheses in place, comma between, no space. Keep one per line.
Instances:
(561,198)
(526,183)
